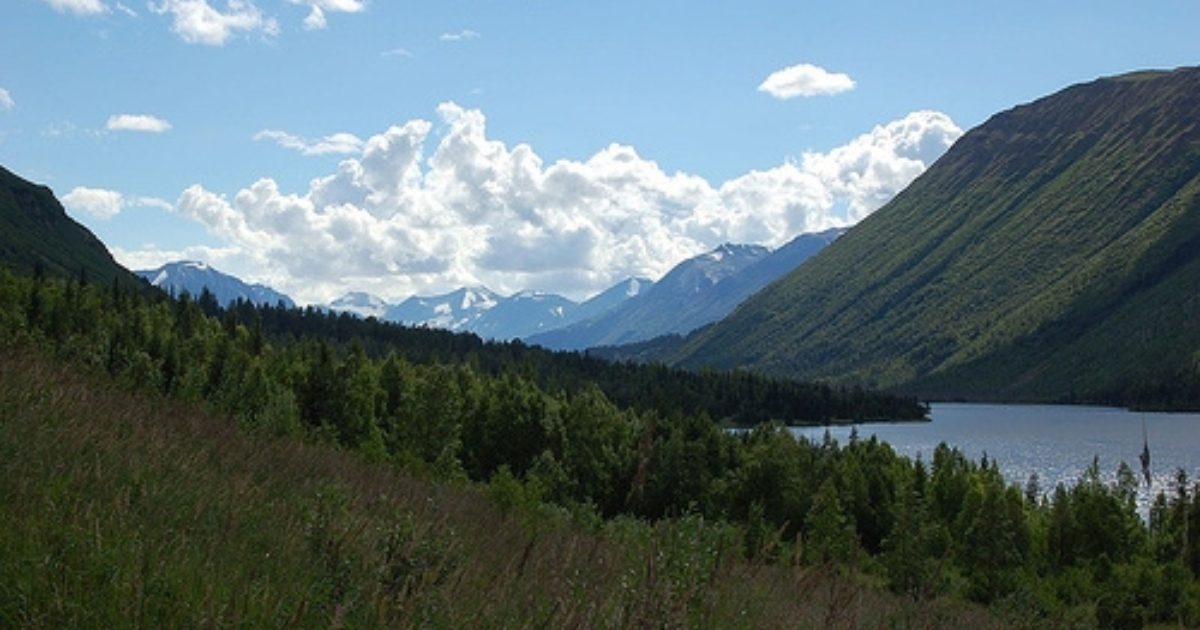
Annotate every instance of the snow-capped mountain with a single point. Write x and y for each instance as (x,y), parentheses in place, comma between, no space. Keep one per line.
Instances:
(722,298)
(489,314)
(523,314)
(695,292)
(194,276)
(456,310)
(699,274)
(362,304)
(609,299)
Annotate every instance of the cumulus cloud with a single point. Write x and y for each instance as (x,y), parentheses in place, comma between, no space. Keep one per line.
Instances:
(197,22)
(151,256)
(78,7)
(462,35)
(805,80)
(425,207)
(344,143)
(105,204)
(137,122)
(317,8)
(6,100)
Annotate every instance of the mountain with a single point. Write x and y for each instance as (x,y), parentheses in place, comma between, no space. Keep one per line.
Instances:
(194,276)
(610,299)
(523,314)
(1053,253)
(362,304)
(35,231)
(669,306)
(456,310)
(488,314)
(715,304)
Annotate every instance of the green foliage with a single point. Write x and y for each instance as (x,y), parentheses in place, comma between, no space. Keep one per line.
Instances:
(916,550)
(856,511)
(1052,254)
(830,538)
(121,510)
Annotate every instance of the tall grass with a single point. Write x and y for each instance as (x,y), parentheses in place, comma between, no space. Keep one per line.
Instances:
(132,511)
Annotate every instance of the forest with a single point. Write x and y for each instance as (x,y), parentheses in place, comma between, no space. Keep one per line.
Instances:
(619,441)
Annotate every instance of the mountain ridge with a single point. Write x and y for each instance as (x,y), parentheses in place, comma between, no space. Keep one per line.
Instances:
(195,276)
(479,310)
(694,293)
(36,233)
(1013,246)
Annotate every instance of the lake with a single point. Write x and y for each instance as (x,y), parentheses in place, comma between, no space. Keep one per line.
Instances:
(1056,441)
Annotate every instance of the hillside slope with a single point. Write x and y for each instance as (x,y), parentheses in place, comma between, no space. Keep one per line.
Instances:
(36,231)
(1052,254)
(126,510)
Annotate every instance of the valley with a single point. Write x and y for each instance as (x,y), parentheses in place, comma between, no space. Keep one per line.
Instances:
(351,314)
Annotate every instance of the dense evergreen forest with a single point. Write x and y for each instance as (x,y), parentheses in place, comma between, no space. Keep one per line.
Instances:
(738,398)
(1078,555)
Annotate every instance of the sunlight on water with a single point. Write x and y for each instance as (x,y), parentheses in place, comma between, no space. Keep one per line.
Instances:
(1056,442)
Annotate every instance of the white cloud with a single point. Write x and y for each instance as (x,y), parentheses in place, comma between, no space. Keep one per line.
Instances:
(397,52)
(98,202)
(317,8)
(316,19)
(78,7)
(396,220)
(343,143)
(197,22)
(126,10)
(462,35)
(805,80)
(105,204)
(137,122)
(152,256)
(6,100)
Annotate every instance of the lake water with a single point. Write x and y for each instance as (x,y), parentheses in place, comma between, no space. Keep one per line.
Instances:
(1055,441)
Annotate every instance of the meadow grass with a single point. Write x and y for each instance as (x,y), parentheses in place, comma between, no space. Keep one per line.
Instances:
(127,511)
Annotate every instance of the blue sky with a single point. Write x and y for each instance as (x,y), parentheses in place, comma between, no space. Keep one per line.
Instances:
(547,145)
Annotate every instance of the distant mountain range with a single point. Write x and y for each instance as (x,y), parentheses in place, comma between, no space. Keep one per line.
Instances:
(194,277)
(1052,254)
(488,314)
(361,304)
(36,233)
(696,292)
(456,310)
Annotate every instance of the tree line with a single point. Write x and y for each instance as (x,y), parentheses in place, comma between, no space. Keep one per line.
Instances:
(449,406)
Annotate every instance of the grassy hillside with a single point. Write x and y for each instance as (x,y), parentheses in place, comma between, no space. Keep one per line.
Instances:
(119,510)
(1052,254)
(36,231)
(552,509)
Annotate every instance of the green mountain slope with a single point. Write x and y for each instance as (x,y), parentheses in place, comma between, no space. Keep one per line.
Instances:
(1052,254)
(35,230)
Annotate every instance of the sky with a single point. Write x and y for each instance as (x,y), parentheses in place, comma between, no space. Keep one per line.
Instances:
(400,148)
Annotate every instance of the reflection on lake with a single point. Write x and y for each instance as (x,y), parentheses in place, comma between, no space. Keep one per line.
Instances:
(1057,442)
